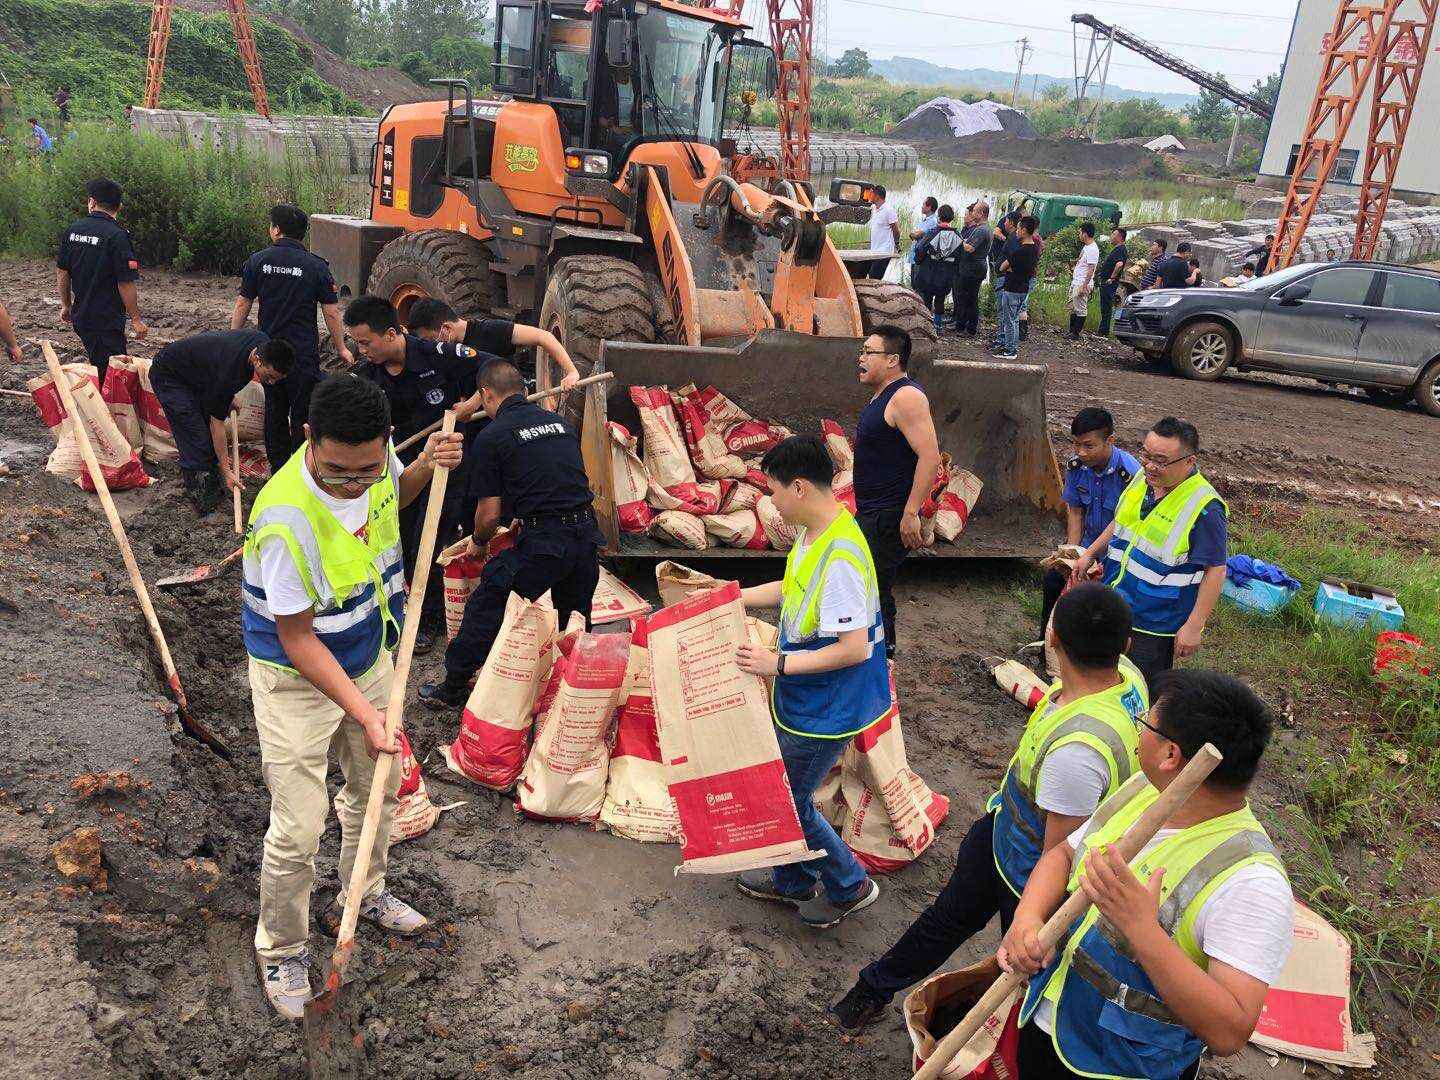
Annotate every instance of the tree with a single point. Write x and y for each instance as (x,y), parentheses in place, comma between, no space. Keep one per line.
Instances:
(1055,93)
(1268,90)
(853,64)
(1135,117)
(1211,117)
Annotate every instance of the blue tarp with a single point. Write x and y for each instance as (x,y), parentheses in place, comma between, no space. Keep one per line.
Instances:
(1243,569)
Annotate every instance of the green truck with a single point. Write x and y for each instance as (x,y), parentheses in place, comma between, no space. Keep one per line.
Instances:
(1057,211)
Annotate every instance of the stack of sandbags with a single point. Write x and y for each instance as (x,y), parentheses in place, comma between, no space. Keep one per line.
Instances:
(136,409)
(119,464)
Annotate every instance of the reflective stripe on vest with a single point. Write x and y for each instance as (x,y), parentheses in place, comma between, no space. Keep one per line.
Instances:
(832,704)
(1109,1019)
(1148,558)
(356,587)
(1105,722)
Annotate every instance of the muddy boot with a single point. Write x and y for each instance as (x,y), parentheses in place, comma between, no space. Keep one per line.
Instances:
(1024,329)
(821,912)
(1076,322)
(286,984)
(861,1006)
(450,694)
(198,490)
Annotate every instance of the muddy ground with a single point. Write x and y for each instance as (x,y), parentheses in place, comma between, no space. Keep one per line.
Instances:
(557,952)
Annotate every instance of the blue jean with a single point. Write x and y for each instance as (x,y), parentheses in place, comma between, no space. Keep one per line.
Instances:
(1007,330)
(807,762)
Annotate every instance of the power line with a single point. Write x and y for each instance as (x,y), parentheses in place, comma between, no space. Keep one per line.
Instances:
(1043,29)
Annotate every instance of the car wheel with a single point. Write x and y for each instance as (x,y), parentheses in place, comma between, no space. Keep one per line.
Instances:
(1202,351)
(1427,390)
(1385,395)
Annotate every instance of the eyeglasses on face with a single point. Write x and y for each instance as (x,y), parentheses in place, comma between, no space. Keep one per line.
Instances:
(353,480)
(1162,462)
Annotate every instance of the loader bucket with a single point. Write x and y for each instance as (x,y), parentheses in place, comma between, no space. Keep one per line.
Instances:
(990,417)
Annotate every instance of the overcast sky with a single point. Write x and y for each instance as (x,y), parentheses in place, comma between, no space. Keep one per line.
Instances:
(1243,39)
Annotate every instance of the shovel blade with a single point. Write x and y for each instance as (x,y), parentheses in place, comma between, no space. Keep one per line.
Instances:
(334,1039)
(189,577)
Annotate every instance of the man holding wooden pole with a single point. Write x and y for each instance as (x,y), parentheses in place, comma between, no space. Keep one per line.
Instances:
(323,597)
(1182,943)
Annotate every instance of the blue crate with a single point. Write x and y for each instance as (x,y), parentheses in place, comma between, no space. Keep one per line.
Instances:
(1258,596)
(1349,603)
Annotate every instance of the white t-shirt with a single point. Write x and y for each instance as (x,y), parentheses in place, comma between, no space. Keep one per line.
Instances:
(285,593)
(1089,257)
(1072,781)
(842,597)
(882,238)
(1247,923)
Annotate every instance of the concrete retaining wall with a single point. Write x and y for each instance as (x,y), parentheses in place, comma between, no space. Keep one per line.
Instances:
(343,142)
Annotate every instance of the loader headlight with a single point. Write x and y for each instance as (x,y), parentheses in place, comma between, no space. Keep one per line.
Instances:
(587,163)
(851,192)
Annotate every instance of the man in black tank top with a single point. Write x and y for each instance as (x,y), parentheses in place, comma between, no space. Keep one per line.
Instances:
(896,458)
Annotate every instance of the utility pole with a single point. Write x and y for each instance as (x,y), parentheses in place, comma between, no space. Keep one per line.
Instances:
(1234,136)
(1022,52)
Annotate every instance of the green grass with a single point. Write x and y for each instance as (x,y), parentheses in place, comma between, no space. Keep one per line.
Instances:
(1366,779)
(198,208)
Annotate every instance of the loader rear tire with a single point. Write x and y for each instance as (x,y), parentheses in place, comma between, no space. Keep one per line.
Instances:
(438,263)
(590,299)
(884,302)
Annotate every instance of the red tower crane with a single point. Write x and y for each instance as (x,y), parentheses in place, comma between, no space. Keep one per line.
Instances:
(792,35)
(244,43)
(1365,37)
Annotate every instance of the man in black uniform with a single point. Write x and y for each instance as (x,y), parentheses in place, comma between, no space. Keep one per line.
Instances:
(435,320)
(95,271)
(422,379)
(196,380)
(527,466)
(290,281)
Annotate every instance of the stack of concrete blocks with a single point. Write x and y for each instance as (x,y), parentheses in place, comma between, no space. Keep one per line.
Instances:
(1409,234)
(342,143)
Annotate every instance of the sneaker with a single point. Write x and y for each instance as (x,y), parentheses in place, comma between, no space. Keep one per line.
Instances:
(384,909)
(859,1008)
(286,984)
(821,913)
(442,696)
(760,884)
(1007,356)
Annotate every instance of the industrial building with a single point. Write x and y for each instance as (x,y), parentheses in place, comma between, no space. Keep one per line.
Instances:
(1418,177)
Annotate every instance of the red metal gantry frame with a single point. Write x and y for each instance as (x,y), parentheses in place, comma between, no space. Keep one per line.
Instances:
(244,43)
(792,35)
(1401,63)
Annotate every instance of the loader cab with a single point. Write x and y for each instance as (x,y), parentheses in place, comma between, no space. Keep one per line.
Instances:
(643,71)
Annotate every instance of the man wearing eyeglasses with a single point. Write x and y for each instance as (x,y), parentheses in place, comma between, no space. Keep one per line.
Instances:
(324,597)
(896,458)
(1165,551)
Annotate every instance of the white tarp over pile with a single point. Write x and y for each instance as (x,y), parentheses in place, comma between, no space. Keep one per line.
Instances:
(1165,142)
(966,118)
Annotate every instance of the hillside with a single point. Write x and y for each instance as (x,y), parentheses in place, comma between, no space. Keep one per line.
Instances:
(98,49)
(907,69)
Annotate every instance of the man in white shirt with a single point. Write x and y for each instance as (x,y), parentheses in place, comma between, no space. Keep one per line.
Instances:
(1082,279)
(1183,942)
(323,598)
(884,233)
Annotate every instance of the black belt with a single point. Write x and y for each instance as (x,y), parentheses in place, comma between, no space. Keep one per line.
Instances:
(583,516)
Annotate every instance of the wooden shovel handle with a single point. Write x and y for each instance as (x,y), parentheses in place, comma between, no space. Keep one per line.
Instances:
(1071,911)
(539,395)
(132,568)
(393,708)
(234,426)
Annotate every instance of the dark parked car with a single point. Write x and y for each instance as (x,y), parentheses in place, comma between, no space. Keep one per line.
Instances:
(1371,325)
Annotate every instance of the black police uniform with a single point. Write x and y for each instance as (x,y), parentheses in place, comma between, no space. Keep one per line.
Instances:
(197,378)
(490,338)
(530,458)
(430,381)
(289,281)
(96,252)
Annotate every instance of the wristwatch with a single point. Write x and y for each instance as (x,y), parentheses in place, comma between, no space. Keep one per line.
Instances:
(780,664)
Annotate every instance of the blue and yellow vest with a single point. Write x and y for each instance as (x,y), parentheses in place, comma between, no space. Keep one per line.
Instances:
(1148,561)
(831,704)
(357,586)
(1109,1020)
(1105,722)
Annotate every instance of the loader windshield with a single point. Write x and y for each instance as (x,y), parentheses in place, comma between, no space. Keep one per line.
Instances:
(682,71)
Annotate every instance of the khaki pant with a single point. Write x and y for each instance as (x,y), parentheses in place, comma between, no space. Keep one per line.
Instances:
(298,725)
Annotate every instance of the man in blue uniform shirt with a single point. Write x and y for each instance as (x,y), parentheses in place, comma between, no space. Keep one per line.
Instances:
(524,466)
(1096,476)
(95,272)
(290,281)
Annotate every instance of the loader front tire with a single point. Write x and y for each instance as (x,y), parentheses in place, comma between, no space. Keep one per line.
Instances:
(590,299)
(438,263)
(883,302)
